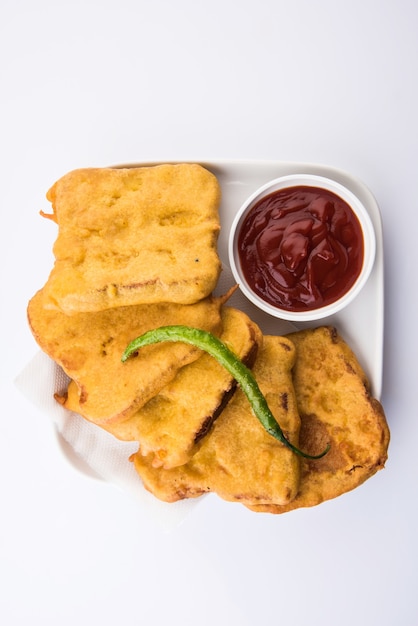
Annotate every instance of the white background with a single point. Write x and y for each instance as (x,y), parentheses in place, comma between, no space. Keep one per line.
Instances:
(93,83)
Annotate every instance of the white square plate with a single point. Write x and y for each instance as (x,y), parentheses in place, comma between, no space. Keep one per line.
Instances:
(96,453)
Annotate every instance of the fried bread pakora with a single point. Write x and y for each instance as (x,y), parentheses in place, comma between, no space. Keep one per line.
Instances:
(88,347)
(238,459)
(336,407)
(171,425)
(129,236)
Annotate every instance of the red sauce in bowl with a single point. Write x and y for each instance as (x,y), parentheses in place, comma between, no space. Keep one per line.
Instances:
(301,248)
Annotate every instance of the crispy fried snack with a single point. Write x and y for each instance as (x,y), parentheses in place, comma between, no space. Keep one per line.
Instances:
(335,405)
(238,459)
(133,236)
(171,425)
(89,346)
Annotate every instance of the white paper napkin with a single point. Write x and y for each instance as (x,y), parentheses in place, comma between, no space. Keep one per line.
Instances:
(88,447)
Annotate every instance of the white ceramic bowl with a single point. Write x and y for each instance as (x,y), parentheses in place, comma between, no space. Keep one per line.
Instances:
(369,243)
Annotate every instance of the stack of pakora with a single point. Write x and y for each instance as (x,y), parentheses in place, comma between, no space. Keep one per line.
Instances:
(137,249)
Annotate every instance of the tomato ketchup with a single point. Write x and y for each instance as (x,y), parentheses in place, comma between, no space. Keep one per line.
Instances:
(301,248)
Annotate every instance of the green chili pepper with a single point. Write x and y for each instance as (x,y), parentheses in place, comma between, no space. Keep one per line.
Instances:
(213,346)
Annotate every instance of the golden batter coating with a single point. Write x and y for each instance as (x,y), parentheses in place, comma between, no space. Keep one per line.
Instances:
(336,407)
(171,425)
(133,236)
(89,347)
(238,459)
